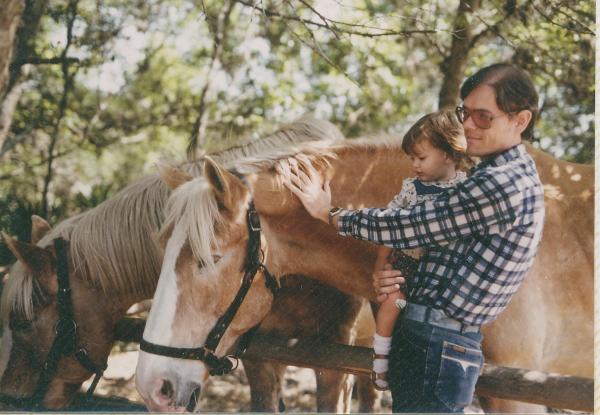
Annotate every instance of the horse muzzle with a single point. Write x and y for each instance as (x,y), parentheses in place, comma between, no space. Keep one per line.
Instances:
(169,385)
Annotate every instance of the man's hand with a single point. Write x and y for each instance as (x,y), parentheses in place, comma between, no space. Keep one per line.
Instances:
(386,281)
(312,192)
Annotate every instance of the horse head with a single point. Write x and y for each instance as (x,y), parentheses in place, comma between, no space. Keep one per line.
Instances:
(36,370)
(206,239)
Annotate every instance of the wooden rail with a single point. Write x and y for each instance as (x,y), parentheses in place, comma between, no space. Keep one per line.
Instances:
(549,389)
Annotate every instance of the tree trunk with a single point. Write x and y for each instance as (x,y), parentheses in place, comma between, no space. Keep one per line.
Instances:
(14,69)
(68,77)
(464,40)
(219,31)
(453,65)
(10,17)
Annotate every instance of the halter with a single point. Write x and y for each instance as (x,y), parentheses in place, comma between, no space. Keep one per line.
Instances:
(65,340)
(206,353)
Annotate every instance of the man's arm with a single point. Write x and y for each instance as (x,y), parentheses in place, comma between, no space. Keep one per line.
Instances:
(482,204)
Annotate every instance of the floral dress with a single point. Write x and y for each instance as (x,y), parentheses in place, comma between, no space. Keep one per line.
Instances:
(413,192)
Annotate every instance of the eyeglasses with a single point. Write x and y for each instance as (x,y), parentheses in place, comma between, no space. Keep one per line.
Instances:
(481,118)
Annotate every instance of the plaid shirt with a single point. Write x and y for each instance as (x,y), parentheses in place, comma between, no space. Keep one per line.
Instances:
(481,237)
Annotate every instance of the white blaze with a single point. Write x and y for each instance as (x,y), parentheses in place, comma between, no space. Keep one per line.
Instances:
(162,312)
(152,369)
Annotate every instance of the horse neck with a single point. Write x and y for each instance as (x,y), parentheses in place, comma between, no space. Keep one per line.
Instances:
(299,244)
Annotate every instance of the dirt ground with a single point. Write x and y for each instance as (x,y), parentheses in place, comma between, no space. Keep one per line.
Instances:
(229,393)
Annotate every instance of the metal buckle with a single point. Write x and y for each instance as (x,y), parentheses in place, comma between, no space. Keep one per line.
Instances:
(235,359)
(254,221)
(62,327)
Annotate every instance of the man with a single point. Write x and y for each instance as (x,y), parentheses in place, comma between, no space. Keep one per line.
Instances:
(481,238)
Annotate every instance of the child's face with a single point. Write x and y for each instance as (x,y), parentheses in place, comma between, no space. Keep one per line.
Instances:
(430,163)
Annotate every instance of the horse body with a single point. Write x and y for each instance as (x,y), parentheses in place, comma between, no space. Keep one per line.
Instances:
(555,298)
(114,261)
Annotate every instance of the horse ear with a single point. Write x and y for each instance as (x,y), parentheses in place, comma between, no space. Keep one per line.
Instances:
(39,228)
(37,260)
(172,176)
(226,187)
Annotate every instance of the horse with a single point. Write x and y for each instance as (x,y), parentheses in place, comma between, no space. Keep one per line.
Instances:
(201,269)
(114,261)
(305,308)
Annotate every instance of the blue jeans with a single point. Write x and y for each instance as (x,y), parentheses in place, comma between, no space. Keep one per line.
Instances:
(433,369)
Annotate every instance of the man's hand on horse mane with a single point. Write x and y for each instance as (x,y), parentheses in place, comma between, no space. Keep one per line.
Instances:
(312,192)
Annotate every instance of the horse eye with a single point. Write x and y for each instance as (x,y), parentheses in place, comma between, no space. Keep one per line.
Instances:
(20,325)
(215,258)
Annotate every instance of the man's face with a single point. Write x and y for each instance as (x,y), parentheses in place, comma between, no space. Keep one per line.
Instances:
(503,132)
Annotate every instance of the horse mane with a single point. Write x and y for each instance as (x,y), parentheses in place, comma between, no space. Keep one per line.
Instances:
(193,206)
(305,128)
(114,245)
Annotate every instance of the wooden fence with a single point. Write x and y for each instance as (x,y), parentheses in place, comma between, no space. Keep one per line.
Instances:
(549,389)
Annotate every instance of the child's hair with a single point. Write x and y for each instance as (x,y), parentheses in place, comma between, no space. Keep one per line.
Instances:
(443,130)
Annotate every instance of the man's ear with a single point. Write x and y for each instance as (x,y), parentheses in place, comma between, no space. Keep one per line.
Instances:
(523,118)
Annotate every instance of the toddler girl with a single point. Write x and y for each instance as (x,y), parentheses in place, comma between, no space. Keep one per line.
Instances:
(436,145)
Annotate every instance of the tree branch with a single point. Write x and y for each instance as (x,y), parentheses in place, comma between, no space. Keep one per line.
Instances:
(323,18)
(14,173)
(337,30)
(43,61)
(557,9)
(317,49)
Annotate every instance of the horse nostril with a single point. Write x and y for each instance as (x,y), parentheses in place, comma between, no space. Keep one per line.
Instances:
(193,400)
(167,389)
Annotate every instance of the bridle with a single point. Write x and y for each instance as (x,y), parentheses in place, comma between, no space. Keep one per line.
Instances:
(65,342)
(206,353)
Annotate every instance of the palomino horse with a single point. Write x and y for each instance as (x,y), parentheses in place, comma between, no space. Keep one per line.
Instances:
(548,326)
(114,261)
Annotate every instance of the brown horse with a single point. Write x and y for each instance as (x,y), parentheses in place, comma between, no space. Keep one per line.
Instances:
(548,326)
(114,262)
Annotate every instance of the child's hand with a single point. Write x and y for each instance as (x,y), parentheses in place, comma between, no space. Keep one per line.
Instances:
(386,281)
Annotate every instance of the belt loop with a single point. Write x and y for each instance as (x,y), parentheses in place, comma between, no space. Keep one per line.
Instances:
(427,314)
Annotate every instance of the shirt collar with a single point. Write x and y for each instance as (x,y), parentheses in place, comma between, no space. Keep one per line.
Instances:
(503,157)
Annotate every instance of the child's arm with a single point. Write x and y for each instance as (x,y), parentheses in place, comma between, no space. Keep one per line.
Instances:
(382,260)
(382,257)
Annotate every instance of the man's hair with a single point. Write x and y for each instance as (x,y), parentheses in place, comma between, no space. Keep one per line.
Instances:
(442,130)
(514,90)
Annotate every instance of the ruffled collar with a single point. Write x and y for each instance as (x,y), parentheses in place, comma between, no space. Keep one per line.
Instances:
(460,176)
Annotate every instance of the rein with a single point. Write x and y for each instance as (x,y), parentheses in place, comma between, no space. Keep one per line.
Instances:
(206,353)
(65,342)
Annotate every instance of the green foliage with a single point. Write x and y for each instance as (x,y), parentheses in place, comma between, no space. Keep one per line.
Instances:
(143,66)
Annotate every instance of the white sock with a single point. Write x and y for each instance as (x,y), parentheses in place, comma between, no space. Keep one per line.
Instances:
(381,345)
